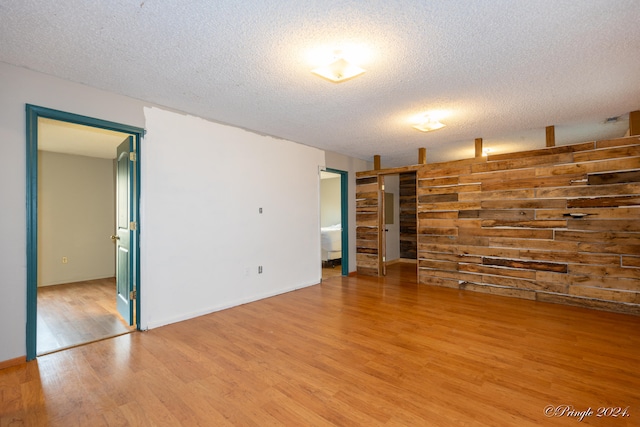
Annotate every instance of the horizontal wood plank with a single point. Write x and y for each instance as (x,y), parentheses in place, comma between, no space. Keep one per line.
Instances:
(568,257)
(433,182)
(588,191)
(367,205)
(615,225)
(500,175)
(614,177)
(543,223)
(527,265)
(439,214)
(460,240)
(506,232)
(591,213)
(438,198)
(586,302)
(495,270)
(609,248)
(605,294)
(524,204)
(631,261)
(603,202)
(437,231)
(500,214)
(529,285)
(367,260)
(367,192)
(448,189)
(447,206)
(454,222)
(607,153)
(438,264)
(526,162)
(544,152)
(439,256)
(539,182)
(606,271)
(499,290)
(523,243)
(366,180)
(618,142)
(589,167)
(497,195)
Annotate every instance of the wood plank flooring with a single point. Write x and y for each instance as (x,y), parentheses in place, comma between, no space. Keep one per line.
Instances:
(329,272)
(77,313)
(352,351)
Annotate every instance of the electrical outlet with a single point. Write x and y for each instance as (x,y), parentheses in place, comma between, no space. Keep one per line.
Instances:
(65,260)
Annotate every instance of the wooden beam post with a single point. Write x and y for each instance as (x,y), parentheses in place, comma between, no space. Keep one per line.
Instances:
(376,162)
(634,123)
(422,156)
(478,147)
(551,136)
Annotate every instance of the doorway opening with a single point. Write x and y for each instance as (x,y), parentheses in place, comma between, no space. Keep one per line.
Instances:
(74,194)
(334,229)
(399,220)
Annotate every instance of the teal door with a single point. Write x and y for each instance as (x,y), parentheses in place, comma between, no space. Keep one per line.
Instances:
(124,230)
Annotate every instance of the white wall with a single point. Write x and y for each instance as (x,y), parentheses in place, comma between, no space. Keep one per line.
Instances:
(351,165)
(76,208)
(330,201)
(185,209)
(203,237)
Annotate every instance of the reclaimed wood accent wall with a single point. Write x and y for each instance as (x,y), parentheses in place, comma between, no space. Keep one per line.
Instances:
(367,226)
(559,224)
(408,216)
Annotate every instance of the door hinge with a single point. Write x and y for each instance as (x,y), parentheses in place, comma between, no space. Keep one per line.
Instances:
(133,295)
(382,187)
(132,156)
(132,225)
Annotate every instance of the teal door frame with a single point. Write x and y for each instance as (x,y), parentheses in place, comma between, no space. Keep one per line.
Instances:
(33,113)
(344,216)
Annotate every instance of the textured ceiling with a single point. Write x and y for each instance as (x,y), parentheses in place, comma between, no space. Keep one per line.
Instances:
(500,70)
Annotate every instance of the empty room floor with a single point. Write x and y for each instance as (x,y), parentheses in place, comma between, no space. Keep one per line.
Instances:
(351,351)
(77,313)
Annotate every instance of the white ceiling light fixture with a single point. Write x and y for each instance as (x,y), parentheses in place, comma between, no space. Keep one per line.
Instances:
(340,70)
(428,124)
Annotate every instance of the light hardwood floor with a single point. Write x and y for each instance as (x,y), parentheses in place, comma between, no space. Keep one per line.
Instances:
(351,351)
(77,313)
(329,272)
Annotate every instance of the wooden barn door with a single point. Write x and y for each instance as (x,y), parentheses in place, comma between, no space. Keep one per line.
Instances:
(368,226)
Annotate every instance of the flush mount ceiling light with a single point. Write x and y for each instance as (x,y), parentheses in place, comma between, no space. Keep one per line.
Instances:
(339,70)
(428,123)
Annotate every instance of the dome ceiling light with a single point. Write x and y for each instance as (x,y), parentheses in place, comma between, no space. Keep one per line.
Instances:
(428,124)
(338,71)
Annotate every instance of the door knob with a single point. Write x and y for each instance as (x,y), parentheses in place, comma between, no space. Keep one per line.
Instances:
(114,238)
